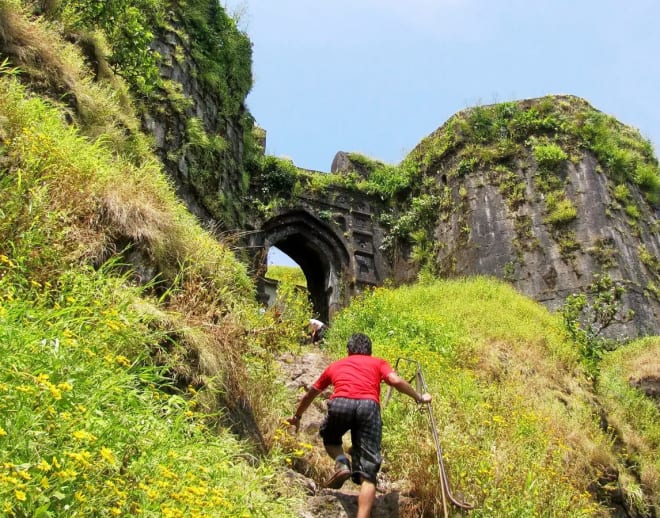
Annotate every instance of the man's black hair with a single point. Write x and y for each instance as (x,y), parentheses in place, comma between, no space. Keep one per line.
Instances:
(359,343)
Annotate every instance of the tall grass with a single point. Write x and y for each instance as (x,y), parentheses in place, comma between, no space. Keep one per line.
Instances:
(90,426)
(116,399)
(634,419)
(515,418)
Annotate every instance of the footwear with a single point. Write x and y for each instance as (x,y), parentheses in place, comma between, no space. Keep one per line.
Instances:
(337,480)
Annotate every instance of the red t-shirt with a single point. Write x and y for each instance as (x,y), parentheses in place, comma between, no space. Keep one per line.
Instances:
(357,376)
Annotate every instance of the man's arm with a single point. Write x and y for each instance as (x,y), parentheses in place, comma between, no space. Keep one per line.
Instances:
(404,387)
(303,405)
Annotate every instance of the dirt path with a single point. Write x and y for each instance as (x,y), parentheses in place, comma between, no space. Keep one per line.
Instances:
(392,500)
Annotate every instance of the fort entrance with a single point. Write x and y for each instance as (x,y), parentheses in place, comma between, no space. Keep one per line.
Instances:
(336,240)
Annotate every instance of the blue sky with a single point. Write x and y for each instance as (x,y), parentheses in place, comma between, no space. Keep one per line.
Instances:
(377,76)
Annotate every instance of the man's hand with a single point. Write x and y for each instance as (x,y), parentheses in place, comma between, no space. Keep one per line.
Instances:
(425,398)
(294,421)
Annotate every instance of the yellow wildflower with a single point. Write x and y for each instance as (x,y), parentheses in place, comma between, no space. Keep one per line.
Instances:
(112,325)
(123,361)
(65,387)
(82,457)
(55,392)
(107,455)
(20,495)
(44,483)
(82,435)
(24,475)
(2,432)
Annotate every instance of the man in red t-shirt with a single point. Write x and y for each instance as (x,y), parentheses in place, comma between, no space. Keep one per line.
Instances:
(355,405)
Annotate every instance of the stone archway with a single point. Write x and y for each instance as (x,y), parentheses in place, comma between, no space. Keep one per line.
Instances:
(320,252)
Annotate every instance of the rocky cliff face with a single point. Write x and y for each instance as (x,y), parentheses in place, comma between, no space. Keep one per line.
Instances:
(200,143)
(550,227)
(489,237)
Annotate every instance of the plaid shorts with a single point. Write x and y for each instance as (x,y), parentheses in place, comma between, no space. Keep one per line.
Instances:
(362,418)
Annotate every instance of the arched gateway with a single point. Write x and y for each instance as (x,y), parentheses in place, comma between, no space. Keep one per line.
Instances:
(335,240)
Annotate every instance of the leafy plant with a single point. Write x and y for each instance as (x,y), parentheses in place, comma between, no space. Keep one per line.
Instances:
(276,177)
(549,156)
(560,211)
(621,193)
(587,315)
(128,26)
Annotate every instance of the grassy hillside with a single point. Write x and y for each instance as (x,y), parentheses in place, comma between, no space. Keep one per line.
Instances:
(117,397)
(519,422)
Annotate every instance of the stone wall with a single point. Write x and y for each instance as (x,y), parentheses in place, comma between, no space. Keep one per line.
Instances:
(210,186)
(533,259)
(335,236)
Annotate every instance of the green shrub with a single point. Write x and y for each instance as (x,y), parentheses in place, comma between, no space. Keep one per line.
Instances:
(277,177)
(561,212)
(129,28)
(633,211)
(549,156)
(621,193)
(647,176)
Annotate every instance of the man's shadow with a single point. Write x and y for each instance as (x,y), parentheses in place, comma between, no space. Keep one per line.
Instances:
(385,506)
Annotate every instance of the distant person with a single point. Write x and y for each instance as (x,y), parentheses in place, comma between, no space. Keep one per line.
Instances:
(355,405)
(318,330)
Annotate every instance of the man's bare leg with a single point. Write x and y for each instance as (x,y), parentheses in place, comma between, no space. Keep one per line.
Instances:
(334,450)
(366,498)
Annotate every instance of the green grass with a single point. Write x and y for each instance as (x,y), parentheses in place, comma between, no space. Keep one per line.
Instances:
(634,419)
(116,399)
(91,426)
(514,409)
(287,274)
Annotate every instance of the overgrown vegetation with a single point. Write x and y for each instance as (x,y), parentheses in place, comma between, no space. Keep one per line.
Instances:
(139,375)
(586,315)
(116,398)
(91,425)
(633,418)
(99,60)
(519,431)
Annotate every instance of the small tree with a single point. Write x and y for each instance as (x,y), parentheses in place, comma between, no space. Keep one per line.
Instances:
(586,315)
